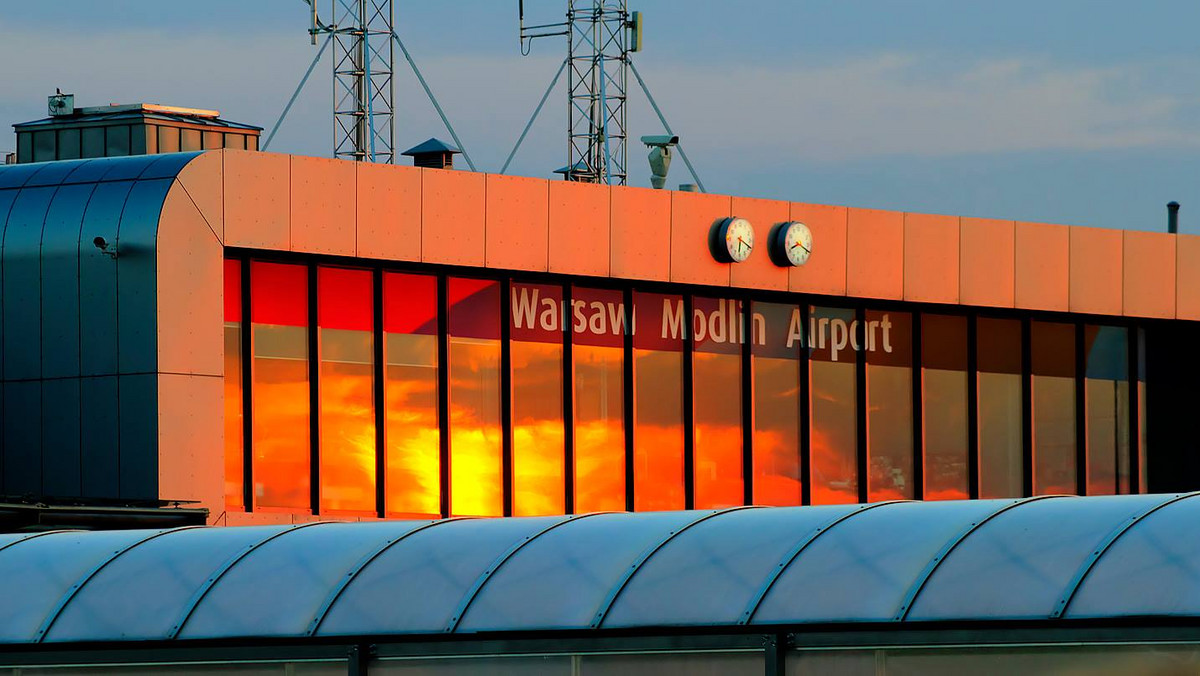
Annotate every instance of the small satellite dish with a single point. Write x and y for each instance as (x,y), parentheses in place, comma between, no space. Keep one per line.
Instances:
(60,104)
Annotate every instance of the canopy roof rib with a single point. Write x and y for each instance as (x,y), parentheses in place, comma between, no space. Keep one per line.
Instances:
(895,563)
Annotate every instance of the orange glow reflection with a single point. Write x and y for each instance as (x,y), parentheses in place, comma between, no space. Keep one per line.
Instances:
(538,438)
(599,429)
(347,422)
(475,468)
(658,431)
(233,417)
(718,445)
(776,432)
(413,483)
(833,438)
(281,449)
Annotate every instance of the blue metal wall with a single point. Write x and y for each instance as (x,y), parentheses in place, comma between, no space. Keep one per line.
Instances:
(78,383)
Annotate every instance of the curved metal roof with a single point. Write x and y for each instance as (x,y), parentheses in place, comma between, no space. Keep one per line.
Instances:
(905,562)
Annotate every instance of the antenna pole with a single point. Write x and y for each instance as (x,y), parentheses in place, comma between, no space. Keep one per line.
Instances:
(295,94)
(434,101)
(561,67)
(662,118)
(596,93)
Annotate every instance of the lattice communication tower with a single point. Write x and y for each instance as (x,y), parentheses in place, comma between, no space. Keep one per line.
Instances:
(364,120)
(597,75)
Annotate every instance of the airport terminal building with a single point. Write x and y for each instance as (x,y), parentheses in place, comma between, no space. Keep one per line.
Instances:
(235,338)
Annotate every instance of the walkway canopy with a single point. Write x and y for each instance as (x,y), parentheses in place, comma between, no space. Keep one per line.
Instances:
(1058,558)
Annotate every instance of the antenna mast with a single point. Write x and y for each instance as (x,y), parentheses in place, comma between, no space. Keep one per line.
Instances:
(364,121)
(597,72)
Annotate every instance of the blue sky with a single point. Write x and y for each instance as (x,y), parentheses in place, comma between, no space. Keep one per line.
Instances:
(1072,111)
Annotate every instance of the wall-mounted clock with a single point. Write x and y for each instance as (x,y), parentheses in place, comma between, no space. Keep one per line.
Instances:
(731,240)
(790,244)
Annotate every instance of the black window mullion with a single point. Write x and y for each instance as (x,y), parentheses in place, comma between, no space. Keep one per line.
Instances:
(689,411)
(918,411)
(972,407)
(747,403)
(247,348)
(1081,437)
(506,423)
(314,393)
(1135,450)
(628,397)
(443,393)
(1027,450)
(378,392)
(805,411)
(568,399)
(860,408)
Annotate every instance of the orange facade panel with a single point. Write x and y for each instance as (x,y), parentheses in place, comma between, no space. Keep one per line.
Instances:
(388,212)
(1187,279)
(517,223)
(323,206)
(189,283)
(1148,272)
(188,469)
(1095,270)
(931,249)
(203,179)
(758,272)
(257,200)
(579,228)
(452,217)
(825,271)
(693,216)
(1042,266)
(874,254)
(986,262)
(640,234)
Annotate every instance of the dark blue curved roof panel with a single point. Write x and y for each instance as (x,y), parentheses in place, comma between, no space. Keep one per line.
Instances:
(996,560)
(1017,565)
(417,586)
(1163,551)
(98,279)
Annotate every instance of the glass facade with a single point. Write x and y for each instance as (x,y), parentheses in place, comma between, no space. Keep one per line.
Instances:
(395,393)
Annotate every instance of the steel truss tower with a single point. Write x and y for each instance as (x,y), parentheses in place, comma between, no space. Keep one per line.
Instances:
(597,74)
(364,121)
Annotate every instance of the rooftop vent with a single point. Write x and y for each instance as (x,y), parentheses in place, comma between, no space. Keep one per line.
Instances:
(433,154)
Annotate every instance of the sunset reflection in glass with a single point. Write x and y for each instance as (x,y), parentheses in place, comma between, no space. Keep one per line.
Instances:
(475,463)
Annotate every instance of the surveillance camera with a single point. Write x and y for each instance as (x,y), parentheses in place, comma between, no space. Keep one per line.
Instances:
(105,247)
(660,140)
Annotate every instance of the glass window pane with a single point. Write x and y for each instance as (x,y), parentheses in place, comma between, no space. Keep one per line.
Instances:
(717,400)
(475,462)
(237,141)
(116,141)
(944,406)
(413,461)
(345,316)
(68,144)
(279,305)
(93,141)
(1107,390)
(44,146)
(150,134)
(25,147)
(537,404)
(212,139)
(1053,357)
(833,437)
(888,342)
(234,462)
(168,139)
(658,436)
(598,329)
(1001,462)
(778,337)
(1141,397)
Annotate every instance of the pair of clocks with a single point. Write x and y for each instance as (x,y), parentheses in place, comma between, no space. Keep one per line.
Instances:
(788,245)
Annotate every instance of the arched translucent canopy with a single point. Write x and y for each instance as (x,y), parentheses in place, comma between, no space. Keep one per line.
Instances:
(1054,558)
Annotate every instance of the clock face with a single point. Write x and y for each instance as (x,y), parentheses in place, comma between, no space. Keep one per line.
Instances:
(791,244)
(734,240)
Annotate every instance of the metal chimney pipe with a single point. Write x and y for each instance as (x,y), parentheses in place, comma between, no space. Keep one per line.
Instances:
(1173,217)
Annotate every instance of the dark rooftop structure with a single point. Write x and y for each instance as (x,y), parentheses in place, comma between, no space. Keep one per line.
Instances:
(71,133)
(433,154)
